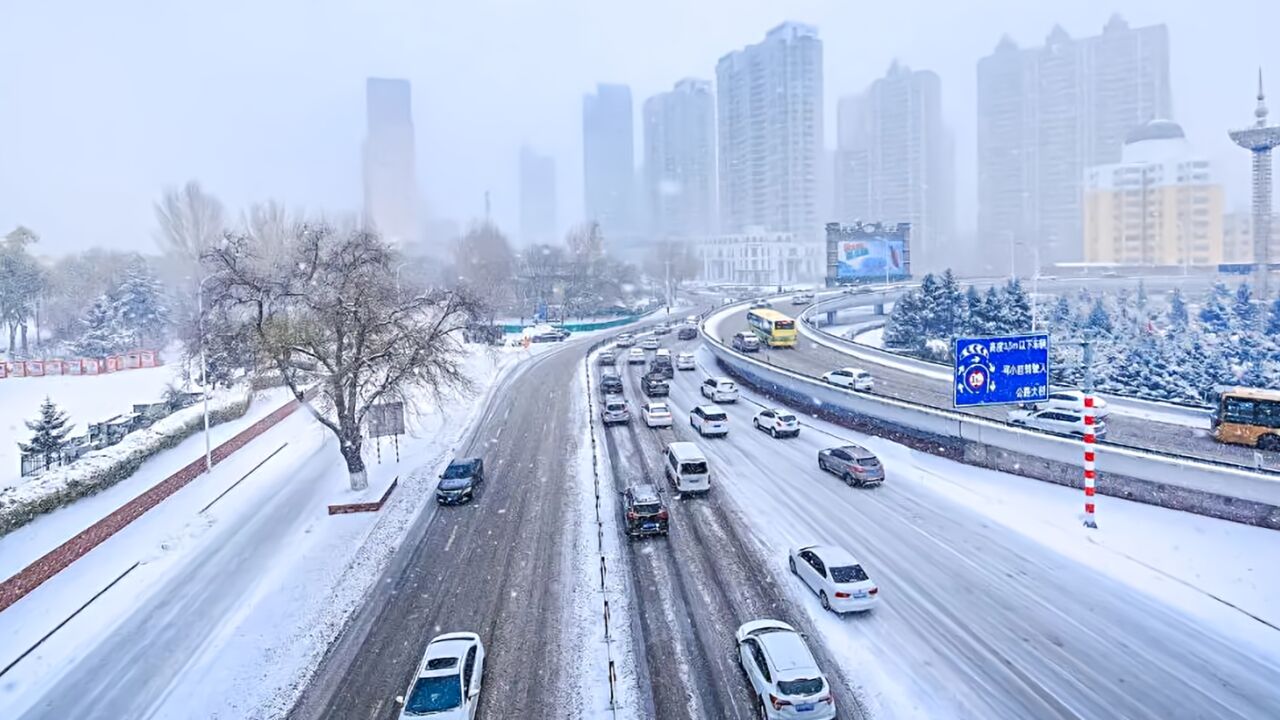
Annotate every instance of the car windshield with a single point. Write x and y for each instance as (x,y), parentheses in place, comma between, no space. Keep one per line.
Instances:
(848,574)
(434,694)
(802,687)
(459,470)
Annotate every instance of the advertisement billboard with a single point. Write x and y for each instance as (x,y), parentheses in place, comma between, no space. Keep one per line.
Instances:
(1001,370)
(870,258)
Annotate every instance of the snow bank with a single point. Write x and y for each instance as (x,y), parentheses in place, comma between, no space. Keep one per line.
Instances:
(103,468)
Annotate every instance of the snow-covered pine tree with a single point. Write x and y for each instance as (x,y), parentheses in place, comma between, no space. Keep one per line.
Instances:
(140,306)
(1099,319)
(952,306)
(1273,319)
(1142,300)
(930,308)
(903,330)
(102,335)
(1178,316)
(972,311)
(992,315)
(1243,312)
(1213,313)
(1016,308)
(1062,316)
(49,433)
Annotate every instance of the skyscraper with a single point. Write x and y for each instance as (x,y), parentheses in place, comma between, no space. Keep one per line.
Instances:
(679,160)
(1047,114)
(895,160)
(537,197)
(390,179)
(770,133)
(608,158)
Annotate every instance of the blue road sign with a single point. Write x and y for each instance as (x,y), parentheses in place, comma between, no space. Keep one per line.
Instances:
(1001,370)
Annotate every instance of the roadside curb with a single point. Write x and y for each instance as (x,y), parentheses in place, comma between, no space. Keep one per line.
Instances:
(375,506)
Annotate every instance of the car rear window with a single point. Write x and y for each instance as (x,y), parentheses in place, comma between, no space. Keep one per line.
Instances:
(616,407)
(727,386)
(697,467)
(647,508)
(805,686)
(848,574)
(716,416)
(784,325)
(869,460)
(787,418)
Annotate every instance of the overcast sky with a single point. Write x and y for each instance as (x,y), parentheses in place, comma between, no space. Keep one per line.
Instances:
(104,104)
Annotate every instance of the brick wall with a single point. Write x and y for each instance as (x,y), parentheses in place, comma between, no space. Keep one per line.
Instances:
(32,576)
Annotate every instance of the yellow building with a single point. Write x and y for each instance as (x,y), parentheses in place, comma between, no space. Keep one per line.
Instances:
(1157,206)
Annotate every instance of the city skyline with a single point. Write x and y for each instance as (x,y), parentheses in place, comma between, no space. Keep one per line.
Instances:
(608,158)
(390,173)
(680,160)
(537,197)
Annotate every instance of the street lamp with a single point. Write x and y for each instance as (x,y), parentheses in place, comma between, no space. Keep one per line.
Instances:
(204,370)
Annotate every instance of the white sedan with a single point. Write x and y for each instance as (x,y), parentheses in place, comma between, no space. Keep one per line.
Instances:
(1062,422)
(656,414)
(635,357)
(685,361)
(835,576)
(447,683)
(850,377)
(1073,401)
(777,422)
(650,343)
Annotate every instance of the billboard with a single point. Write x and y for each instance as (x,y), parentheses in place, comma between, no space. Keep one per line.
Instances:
(1001,370)
(870,258)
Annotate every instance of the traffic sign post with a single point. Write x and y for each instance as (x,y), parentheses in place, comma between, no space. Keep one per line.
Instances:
(1090,440)
(1006,370)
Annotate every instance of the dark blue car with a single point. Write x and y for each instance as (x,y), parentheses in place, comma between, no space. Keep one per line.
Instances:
(461,482)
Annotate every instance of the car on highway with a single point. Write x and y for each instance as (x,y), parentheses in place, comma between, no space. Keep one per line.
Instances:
(607,357)
(625,340)
(615,411)
(448,681)
(803,298)
(850,377)
(760,304)
(635,356)
(654,384)
(686,361)
(777,422)
(692,320)
(650,343)
(709,420)
(688,332)
(782,672)
(1060,422)
(746,342)
(656,414)
(856,290)
(462,481)
(686,468)
(835,577)
(610,384)
(854,464)
(661,329)
(719,390)
(1072,401)
(661,364)
(644,510)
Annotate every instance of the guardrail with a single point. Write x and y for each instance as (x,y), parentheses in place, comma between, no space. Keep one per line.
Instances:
(1217,490)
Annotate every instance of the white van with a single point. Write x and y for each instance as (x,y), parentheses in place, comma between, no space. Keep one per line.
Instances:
(719,390)
(686,468)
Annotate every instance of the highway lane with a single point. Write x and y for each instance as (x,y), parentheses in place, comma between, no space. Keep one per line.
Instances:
(976,620)
(811,358)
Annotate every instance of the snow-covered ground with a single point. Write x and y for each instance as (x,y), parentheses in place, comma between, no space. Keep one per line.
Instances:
(244,597)
(873,338)
(85,399)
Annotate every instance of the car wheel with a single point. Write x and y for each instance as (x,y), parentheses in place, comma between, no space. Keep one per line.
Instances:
(773,433)
(848,478)
(1269,442)
(791,563)
(826,604)
(756,424)
(764,710)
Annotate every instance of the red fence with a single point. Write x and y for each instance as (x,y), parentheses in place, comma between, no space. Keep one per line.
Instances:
(31,577)
(81,366)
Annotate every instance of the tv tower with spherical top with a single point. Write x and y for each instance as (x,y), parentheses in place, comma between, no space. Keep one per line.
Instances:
(1259,140)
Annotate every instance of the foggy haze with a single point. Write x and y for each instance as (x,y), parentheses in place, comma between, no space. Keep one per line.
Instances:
(107,104)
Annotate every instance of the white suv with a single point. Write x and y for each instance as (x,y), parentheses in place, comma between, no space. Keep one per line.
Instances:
(719,389)
(1073,401)
(854,378)
(782,672)
(709,420)
(685,361)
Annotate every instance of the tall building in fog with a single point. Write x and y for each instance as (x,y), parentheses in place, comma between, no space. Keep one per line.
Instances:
(537,197)
(1047,114)
(390,178)
(769,101)
(895,160)
(679,160)
(608,158)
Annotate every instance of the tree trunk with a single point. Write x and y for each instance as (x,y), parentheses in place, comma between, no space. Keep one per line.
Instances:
(12,329)
(350,447)
(23,331)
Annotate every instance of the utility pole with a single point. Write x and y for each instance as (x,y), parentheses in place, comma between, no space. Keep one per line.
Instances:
(1090,440)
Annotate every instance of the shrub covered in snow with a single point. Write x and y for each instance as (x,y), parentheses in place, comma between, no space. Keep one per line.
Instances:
(101,469)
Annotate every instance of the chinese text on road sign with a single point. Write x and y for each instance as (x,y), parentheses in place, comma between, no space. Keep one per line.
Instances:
(1001,370)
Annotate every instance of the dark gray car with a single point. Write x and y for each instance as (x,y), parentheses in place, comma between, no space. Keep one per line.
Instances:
(461,482)
(854,464)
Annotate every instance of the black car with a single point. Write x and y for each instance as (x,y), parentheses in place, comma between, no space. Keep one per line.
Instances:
(662,367)
(461,481)
(687,333)
(655,385)
(610,384)
(646,515)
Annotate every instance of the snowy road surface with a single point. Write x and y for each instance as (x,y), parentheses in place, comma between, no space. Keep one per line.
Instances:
(814,359)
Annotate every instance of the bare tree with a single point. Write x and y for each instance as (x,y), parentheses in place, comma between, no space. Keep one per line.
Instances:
(191,221)
(329,313)
(486,265)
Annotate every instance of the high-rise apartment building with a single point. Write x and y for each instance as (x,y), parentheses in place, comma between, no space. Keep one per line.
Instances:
(895,160)
(390,179)
(769,102)
(679,160)
(1047,114)
(537,197)
(608,157)
(1158,206)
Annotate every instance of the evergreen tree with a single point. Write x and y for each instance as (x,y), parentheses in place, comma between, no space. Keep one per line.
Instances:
(102,335)
(1213,313)
(1016,308)
(1141,301)
(1273,319)
(1062,316)
(139,304)
(1099,319)
(49,433)
(1178,315)
(931,306)
(992,312)
(904,329)
(1243,311)
(973,311)
(951,308)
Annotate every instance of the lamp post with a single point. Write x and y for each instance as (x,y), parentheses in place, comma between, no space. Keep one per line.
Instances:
(204,371)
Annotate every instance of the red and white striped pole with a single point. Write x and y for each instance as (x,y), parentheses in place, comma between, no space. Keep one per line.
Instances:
(1090,439)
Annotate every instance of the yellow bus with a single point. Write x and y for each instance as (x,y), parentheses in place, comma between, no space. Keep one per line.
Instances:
(772,327)
(1248,416)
